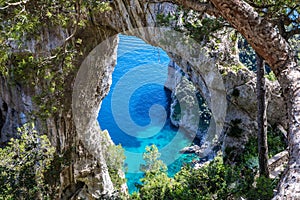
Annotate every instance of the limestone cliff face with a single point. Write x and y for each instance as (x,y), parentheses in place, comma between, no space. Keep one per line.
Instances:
(84,172)
(241,109)
(14,106)
(188,109)
(74,129)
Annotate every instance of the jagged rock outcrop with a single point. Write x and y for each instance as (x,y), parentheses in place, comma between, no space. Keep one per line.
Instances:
(240,122)
(74,130)
(188,109)
(242,109)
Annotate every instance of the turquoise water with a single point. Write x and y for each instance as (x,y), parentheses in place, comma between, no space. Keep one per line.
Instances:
(136,110)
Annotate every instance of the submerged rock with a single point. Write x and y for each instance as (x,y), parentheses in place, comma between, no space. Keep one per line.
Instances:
(190,149)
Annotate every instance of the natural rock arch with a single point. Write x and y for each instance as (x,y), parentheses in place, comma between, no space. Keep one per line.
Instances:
(129,17)
(125,15)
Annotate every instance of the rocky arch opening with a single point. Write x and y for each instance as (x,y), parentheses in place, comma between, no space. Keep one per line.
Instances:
(152,101)
(94,78)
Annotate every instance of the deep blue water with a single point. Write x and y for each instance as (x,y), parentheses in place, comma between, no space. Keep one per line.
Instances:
(136,110)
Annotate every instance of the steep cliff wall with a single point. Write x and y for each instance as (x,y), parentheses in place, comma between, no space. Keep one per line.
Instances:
(15,105)
(193,119)
(82,173)
(240,122)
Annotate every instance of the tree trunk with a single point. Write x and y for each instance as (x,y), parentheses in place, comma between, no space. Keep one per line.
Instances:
(262,118)
(267,42)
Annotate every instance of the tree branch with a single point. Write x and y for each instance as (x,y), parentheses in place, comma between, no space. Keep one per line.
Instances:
(292,10)
(254,5)
(8,4)
(293,32)
(77,19)
(260,34)
(195,5)
(267,42)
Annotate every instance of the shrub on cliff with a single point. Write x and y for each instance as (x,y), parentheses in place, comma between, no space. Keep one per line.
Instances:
(23,163)
(215,180)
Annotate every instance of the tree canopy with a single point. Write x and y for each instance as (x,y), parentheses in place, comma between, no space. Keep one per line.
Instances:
(23,164)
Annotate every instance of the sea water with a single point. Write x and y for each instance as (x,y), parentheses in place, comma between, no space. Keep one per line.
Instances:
(136,111)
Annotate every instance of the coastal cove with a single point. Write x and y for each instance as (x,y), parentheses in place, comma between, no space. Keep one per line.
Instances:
(149,108)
